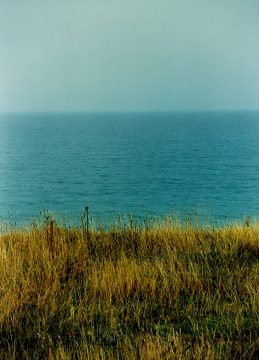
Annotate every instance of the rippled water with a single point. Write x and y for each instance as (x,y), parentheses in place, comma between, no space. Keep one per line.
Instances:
(140,163)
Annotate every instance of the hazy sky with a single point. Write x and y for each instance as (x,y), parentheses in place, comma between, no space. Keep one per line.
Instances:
(119,55)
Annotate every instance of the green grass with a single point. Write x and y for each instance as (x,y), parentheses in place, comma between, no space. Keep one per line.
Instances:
(163,291)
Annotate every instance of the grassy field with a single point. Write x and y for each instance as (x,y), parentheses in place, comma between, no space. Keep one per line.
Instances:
(160,291)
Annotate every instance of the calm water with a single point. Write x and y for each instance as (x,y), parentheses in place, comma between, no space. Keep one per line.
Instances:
(146,164)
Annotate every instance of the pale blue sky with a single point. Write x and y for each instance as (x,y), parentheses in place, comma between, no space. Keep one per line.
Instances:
(121,55)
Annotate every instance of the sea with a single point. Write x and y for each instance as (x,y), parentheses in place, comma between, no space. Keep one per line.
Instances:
(142,165)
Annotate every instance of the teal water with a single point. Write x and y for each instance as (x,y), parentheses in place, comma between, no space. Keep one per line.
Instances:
(140,163)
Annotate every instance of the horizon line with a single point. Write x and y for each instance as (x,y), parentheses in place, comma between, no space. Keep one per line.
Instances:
(5,112)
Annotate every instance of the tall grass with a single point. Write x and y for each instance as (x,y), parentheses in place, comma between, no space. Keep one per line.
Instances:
(163,291)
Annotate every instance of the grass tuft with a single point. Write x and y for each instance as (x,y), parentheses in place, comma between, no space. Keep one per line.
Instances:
(163,291)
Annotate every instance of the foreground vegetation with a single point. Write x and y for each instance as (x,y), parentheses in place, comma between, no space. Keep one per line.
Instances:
(163,291)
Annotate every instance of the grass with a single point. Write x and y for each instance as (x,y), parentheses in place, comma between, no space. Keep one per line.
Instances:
(163,291)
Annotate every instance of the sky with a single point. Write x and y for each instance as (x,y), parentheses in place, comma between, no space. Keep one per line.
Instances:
(121,55)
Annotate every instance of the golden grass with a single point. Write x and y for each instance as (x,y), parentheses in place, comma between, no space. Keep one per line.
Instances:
(164,291)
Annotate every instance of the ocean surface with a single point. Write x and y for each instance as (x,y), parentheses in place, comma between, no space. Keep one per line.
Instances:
(146,164)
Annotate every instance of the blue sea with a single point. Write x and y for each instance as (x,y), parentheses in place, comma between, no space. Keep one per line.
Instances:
(145,164)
